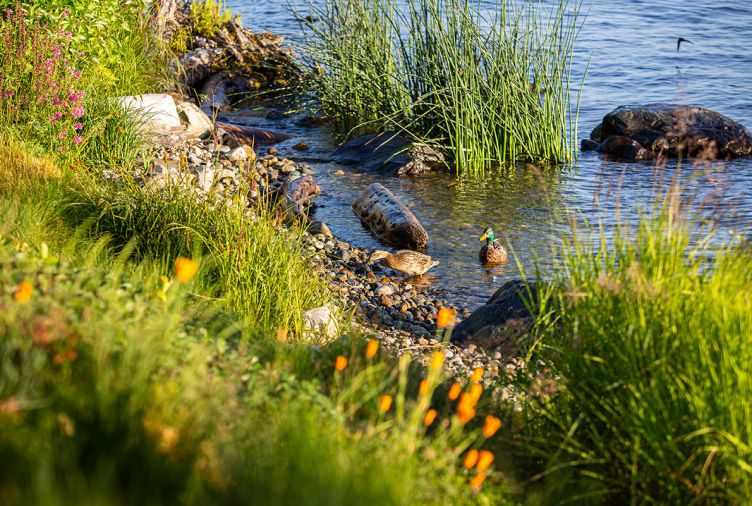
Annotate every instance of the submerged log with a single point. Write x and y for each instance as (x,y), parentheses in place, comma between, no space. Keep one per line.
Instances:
(250,135)
(389,219)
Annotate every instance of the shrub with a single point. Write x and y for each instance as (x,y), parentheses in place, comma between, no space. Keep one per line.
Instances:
(209,16)
(40,90)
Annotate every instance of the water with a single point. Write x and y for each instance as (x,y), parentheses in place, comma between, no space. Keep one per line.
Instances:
(631,45)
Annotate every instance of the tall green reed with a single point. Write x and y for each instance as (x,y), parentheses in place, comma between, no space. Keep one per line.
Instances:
(488,88)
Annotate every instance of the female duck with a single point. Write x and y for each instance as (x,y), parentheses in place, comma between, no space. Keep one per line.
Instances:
(492,252)
(406,261)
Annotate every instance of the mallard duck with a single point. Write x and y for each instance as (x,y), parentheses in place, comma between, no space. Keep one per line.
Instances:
(492,252)
(406,261)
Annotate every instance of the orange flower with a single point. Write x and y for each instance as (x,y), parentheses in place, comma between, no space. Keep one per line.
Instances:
(385,403)
(437,359)
(446,317)
(475,392)
(340,363)
(23,292)
(478,480)
(454,391)
(477,375)
(430,417)
(485,459)
(470,459)
(491,425)
(371,348)
(185,269)
(423,390)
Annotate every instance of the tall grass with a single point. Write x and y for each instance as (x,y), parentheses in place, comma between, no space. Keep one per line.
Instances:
(652,345)
(488,88)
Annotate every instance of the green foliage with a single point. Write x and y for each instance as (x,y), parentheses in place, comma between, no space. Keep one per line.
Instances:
(488,90)
(209,16)
(118,386)
(653,347)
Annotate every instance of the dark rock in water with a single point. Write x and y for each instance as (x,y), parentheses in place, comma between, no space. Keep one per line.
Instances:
(501,321)
(250,135)
(388,153)
(654,131)
(389,219)
(196,66)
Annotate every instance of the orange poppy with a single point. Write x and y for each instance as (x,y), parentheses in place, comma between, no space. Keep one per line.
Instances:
(477,375)
(430,417)
(491,425)
(371,348)
(470,459)
(423,390)
(23,292)
(446,317)
(478,480)
(437,359)
(185,269)
(454,391)
(340,363)
(485,459)
(385,403)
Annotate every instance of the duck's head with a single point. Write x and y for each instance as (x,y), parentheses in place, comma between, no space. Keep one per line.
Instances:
(377,255)
(488,235)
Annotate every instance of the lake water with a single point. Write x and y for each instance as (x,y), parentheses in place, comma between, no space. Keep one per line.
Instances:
(633,59)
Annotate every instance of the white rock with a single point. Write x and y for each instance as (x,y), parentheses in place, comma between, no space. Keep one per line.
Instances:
(384,290)
(320,325)
(197,123)
(205,179)
(160,114)
(238,154)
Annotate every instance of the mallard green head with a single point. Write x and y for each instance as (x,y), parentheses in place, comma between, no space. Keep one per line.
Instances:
(488,235)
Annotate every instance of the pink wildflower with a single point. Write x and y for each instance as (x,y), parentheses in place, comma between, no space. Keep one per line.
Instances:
(78,112)
(77,74)
(66,12)
(75,97)
(77,140)
(55,117)
(62,134)
(77,126)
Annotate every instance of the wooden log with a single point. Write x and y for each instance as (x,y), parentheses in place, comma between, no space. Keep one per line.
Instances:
(389,219)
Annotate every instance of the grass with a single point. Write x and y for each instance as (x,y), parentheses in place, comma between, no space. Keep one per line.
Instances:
(121,385)
(652,347)
(488,90)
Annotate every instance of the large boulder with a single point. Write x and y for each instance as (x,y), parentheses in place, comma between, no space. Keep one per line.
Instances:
(388,153)
(389,219)
(157,112)
(502,321)
(655,131)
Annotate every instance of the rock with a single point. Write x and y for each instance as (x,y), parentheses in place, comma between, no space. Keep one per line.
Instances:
(251,135)
(197,124)
(320,325)
(238,154)
(158,111)
(654,131)
(384,290)
(298,193)
(389,219)
(301,146)
(196,66)
(388,153)
(338,172)
(225,88)
(502,321)
(319,227)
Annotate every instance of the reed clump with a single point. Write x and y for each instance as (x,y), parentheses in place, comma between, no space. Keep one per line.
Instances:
(487,88)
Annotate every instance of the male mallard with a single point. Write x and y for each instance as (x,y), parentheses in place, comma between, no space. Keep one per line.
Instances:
(407,261)
(492,252)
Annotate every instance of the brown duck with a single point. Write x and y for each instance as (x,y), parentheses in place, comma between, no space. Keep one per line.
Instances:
(406,261)
(492,252)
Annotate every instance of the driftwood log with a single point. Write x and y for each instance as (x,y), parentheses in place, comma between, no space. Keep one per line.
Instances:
(389,219)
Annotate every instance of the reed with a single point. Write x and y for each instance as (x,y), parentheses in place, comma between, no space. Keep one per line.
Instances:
(652,345)
(487,88)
